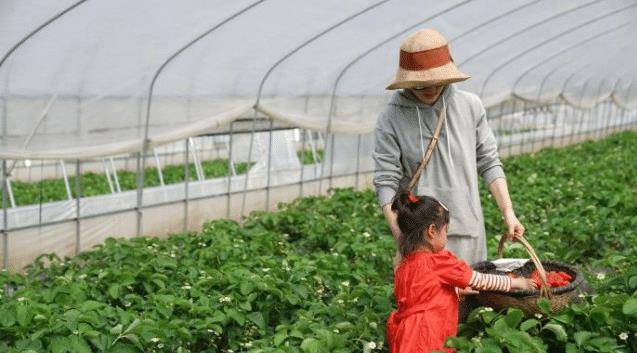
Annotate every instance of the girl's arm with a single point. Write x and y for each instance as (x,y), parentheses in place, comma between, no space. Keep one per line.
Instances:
(483,281)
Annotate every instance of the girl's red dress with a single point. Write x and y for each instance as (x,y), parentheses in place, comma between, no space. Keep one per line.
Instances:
(424,287)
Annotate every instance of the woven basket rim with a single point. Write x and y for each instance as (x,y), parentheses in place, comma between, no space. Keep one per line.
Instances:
(549,266)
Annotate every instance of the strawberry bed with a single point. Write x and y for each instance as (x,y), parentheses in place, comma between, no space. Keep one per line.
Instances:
(316,276)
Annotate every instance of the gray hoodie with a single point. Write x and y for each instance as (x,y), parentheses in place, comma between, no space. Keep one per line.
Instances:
(466,149)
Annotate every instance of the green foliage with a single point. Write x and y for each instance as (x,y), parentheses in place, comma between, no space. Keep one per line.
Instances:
(93,184)
(316,276)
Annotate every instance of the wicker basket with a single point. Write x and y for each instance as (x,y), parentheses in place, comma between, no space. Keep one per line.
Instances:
(526,300)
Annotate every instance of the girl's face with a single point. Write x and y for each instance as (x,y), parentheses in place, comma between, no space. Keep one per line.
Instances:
(437,237)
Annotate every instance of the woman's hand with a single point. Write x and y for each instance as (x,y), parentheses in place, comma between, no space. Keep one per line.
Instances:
(523,283)
(397,259)
(514,227)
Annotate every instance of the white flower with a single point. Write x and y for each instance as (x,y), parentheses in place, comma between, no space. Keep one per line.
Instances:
(538,315)
(488,308)
(366,235)
(155,339)
(371,345)
(345,283)
(335,254)
(21,299)
(127,304)
(373,254)
(373,325)
(248,344)
(336,330)
(82,276)
(211,330)
(340,301)
(186,287)
(355,300)
(623,336)
(161,345)
(265,269)
(172,254)
(224,299)
(582,295)
(601,276)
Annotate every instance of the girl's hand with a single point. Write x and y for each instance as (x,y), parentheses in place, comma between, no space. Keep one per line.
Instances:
(467,291)
(523,283)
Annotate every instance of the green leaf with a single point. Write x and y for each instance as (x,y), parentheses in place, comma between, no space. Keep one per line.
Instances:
(236,316)
(7,318)
(132,326)
(544,305)
(78,345)
(59,345)
(632,282)
(134,339)
(218,316)
(91,305)
(116,330)
(258,319)
(279,338)
(23,315)
(630,307)
(571,348)
(528,324)
(113,290)
(246,288)
(310,345)
(558,330)
(581,337)
(513,317)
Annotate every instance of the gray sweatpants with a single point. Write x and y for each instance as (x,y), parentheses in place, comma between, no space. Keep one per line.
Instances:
(470,249)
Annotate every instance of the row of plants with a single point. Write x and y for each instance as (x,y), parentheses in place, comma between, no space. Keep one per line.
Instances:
(93,184)
(316,276)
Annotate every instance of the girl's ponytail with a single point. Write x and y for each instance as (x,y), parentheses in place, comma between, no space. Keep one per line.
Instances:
(414,215)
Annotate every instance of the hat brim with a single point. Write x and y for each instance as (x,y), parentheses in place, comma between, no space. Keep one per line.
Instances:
(438,76)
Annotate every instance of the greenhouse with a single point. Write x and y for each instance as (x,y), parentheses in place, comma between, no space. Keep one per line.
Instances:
(156,155)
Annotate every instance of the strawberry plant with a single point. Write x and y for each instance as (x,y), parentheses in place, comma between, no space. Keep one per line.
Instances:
(316,276)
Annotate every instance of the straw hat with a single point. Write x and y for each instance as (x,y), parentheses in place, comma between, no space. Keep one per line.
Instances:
(425,61)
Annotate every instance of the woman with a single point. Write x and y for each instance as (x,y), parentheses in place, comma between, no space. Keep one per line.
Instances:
(466,147)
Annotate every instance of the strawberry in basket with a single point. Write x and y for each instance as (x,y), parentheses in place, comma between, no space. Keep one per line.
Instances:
(554,278)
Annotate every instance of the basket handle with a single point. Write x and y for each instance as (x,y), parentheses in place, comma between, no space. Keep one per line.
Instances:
(544,291)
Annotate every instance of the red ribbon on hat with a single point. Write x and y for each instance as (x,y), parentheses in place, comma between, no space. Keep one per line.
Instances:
(425,59)
(411,198)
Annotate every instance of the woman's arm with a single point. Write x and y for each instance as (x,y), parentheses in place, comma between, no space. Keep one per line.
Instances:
(500,192)
(390,216)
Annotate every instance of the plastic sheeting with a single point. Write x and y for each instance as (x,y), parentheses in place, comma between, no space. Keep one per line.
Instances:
(80,87)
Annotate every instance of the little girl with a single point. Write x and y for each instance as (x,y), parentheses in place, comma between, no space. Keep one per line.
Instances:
(427,279)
